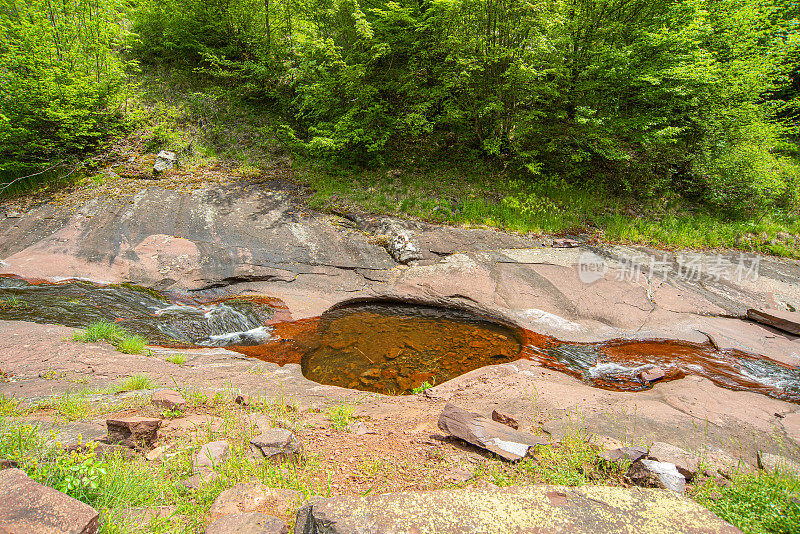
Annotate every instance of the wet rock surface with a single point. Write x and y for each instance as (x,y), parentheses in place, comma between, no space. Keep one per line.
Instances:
(589,509)
(27,507)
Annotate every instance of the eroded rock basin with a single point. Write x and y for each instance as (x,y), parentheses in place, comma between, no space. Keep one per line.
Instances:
(385,347)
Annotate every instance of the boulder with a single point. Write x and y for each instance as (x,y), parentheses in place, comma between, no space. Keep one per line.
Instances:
(774,463)
(164,161)
(687,463)
(250,523)
(537,508)
(27,507)
(168,399)
(137,432)
(481,431)
(276,444)
(212,455)
(400,244)
(652,474)
(255,497)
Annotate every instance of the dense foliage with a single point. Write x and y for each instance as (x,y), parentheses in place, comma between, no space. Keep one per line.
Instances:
(647,98)
(60,78)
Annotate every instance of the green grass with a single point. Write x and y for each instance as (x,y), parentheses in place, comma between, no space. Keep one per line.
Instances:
(134,383)
(760,503)
(478,195)
(114,334)
(9,405)
(423,387)
(177,359)
(101,331)
(131,345)
(340,415)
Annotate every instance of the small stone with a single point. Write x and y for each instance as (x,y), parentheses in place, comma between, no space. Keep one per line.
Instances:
(652,474)
(458,475)
(168,399)
(358,428)
(201,477)
(165,160)
(155,454)
(565,243)
(13,214)
(276,444)
(137,432)
(212,455)
(249,523)
(773,463)
(27,507)
(652,374)
(504,419)
(242,400)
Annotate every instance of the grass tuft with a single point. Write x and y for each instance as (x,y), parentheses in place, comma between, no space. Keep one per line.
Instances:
(131,345)
(134,383)
(340,415)
(114,334)
(177,359)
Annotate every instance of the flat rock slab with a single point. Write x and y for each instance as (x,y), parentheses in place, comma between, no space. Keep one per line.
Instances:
(27,507)
(251,523)
(515,509)
(496,437)
(780,319)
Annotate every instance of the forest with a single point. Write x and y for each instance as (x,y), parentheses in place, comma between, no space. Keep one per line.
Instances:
(640,99)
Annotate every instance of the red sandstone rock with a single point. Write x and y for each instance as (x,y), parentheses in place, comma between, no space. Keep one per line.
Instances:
(137,432)
(27,507)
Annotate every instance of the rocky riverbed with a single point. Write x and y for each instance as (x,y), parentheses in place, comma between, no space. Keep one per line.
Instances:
(250,240)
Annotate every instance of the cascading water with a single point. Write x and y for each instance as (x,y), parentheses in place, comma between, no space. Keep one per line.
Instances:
(139,311)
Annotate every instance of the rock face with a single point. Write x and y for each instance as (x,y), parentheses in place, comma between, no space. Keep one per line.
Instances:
(168,399)
(165,160)
(212,455)
(137,432)
(495,437)
(276,444)
(652,474)
(540,508)
(27,507)
(251,523)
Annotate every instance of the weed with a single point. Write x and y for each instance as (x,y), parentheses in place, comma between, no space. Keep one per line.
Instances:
(9,405)
(101,331)
(12,303)
(172,413)
(177,359)
(424,386)
(134,383)
(131,345)
(114,334)
(340,415)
